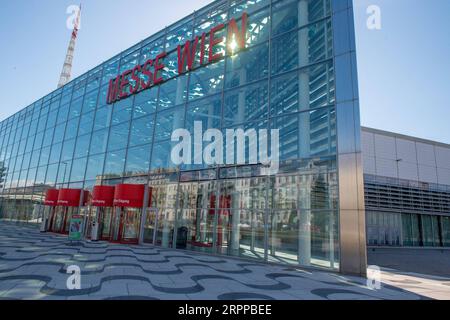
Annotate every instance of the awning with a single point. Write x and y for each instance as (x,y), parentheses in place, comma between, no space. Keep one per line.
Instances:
(129,195)
(103,196)
(51,197)
(71,197)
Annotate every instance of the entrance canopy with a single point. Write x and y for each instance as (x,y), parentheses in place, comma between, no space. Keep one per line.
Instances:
(129,195)
(71,197)
(103,196)
(51,197)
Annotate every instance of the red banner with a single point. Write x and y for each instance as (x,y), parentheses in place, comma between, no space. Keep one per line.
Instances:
(103,196)
(69,197)
(129,195)
(51,197)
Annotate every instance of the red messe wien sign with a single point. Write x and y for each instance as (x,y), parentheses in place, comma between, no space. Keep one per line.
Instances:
(147,75)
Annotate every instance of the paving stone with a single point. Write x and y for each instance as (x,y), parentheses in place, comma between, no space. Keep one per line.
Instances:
(111,271)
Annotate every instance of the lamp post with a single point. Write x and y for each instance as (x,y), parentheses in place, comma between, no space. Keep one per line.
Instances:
(65,169)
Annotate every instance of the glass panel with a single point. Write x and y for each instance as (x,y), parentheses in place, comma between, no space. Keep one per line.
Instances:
(72,128)
(248,66)
(95,167)
(435,225)
(301,48)
(207,80)
(172,92)
(82,146)
(63,114)
(115,162)
(142,130)
(118,137)
(164,232)
(446,231)
(285,16)
(78,170)
(161,160)
(306,134)
(247,103)
(86,123)
(152,49)
(111,70)
(64,171)
(55,153)
(207,110)
(59,133)
(407,230)
(167,121)
(102,117)
(138,160)
(51,120)
(90,102)
(75,108)
(122,111)
(179,34)
(246,234)
(145,102)
(99,141)
(415,229)
(427,231)
(150,224)
(258,27)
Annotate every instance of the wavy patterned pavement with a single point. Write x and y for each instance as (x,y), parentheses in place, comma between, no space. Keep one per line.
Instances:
(33,266)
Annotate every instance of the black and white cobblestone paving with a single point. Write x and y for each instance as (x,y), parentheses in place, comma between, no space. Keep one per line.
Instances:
(33,266)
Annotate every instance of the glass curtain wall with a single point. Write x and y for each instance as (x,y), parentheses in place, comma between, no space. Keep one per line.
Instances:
(405,229)
(283,79)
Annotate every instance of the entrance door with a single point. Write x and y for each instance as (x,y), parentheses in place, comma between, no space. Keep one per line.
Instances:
(51,218)
(164,228)
(151,221)
(105,218)
(131,224)
(92,215)
(59,220)
(125,224)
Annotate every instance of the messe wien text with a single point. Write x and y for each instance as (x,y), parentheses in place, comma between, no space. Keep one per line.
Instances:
(190,55)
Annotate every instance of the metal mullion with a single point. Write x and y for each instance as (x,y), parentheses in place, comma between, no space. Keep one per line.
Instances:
(93,125)
(110,122)
(268,212)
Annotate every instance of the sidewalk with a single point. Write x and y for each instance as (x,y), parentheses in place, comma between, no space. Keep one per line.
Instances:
(33,266)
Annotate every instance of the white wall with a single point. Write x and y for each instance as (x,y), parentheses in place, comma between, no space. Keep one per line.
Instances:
(391,155)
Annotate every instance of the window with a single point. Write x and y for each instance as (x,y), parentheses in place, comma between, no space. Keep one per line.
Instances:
(142,130)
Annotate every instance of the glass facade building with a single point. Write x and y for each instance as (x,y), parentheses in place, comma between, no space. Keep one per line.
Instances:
(297,73)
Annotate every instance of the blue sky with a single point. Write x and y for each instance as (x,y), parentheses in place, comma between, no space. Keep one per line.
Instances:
(404,68)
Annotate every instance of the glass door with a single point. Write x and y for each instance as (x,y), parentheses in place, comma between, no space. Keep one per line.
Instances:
(125,224)
(131,222)
(59,219)
(91,217)
(51,218)
(164,230)
(151,222)
(67,215)
(105,218)
(116,223)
